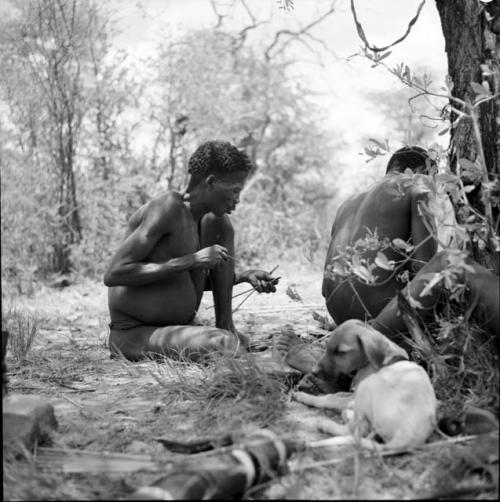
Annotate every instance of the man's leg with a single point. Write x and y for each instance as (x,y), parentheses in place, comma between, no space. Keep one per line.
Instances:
(215,230)
(190,342)
(482,298)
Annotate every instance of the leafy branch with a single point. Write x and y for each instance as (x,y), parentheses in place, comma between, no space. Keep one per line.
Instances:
(476,171)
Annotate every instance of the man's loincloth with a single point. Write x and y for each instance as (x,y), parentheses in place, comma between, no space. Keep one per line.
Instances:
(124,324)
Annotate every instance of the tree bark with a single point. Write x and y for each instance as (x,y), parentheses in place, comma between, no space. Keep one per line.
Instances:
(470,30)
(470,43)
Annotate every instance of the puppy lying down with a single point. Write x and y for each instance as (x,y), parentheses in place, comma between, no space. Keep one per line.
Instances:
(392,397)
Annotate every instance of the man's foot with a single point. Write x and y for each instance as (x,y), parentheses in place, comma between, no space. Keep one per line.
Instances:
(296,353)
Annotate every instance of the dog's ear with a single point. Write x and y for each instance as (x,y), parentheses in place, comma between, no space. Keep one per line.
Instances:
(378,348)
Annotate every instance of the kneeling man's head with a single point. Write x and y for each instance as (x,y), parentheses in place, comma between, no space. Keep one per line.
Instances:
(218,158)
(220,170)
(415,158)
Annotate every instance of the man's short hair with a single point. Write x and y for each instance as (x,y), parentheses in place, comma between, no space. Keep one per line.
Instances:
(218,157)
(409,157)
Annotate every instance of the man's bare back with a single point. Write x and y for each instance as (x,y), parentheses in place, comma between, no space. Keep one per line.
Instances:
(387,211)
(393,209)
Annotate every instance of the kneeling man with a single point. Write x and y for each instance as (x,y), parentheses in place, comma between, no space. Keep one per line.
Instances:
(177,246)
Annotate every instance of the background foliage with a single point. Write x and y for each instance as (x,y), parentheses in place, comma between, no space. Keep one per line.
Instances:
(87,139)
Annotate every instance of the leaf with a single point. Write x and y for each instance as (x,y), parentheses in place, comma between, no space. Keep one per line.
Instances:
(480,89)
(378,143)
(466,163)
(469,188)
(383,262)
(428,287)
(401,244)
(446,178)
(414,303)
(385,55)
(292,293)
(363,273)
(417,81)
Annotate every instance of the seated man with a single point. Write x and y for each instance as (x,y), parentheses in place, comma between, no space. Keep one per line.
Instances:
(396,209)
(175,247)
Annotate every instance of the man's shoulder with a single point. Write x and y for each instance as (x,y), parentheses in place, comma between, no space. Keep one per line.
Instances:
(162,210)
(352,200)
(166,202)
(403,183)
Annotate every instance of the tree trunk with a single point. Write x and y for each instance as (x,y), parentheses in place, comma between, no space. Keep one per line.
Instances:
(470,31)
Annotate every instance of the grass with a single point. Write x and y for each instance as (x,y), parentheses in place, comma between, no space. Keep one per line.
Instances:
(128,405)
(22,327)
(230,392)
(462,362)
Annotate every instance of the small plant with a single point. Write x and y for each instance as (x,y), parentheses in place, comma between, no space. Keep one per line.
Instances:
(22,327)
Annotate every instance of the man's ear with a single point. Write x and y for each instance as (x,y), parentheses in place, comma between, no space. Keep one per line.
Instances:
(210,179)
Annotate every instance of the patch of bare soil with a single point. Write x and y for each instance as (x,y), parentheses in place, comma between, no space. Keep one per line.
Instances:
(122,408)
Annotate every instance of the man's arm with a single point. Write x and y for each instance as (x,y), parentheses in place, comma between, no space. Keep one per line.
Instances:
(421,226)
(128,266)
(262,281)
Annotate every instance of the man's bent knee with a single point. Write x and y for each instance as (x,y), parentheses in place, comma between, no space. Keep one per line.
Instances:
(221,340)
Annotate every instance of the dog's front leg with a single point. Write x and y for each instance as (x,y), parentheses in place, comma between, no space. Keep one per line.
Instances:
(337,401)
(333,428)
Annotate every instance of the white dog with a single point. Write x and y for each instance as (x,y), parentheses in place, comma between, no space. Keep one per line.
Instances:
(393,397)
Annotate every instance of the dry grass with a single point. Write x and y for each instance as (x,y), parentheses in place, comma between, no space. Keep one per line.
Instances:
(462,363)
(229,392)
(127,405)
(22,327)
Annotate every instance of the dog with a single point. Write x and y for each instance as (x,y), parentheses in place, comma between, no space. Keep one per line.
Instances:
(392,400)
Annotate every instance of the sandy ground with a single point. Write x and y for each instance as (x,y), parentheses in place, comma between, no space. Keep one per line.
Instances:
(109,405)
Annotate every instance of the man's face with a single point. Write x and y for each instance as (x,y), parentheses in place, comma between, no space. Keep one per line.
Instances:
(224,193)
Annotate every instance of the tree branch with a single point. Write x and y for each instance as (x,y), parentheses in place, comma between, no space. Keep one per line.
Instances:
(296,34)
(374,48)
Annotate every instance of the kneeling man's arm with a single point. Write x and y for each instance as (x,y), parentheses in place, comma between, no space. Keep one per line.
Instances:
(129,265)
(261,280)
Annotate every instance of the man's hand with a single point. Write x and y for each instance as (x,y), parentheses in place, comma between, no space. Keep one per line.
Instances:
(212,256)
(262,281)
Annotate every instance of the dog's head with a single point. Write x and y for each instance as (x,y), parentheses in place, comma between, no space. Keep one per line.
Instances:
(354,345)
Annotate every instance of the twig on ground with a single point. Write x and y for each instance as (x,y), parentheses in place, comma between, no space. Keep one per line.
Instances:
(72,402)
(76,389)
(376,449)
(321,463)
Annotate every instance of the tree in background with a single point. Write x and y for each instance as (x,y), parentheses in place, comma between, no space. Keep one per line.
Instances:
(66,144)
(87,139)
(415,121)
(43,55)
